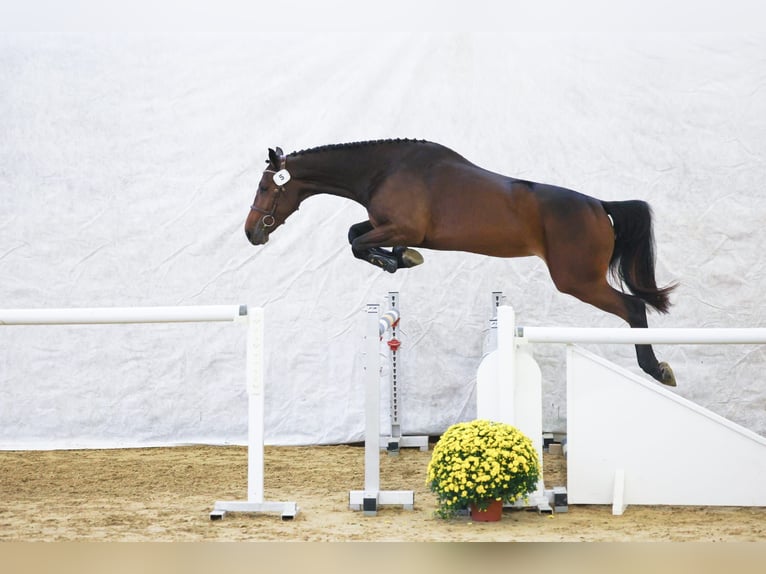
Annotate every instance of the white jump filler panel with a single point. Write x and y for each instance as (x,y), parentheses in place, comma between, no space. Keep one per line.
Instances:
(624,440)
(509,390)
(624,432)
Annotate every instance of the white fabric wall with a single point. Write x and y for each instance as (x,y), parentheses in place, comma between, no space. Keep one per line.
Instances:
(132,138)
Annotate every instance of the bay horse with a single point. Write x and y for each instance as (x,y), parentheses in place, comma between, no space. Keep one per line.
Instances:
(422,194)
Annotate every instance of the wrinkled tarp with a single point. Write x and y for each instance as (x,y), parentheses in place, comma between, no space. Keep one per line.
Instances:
(129,157)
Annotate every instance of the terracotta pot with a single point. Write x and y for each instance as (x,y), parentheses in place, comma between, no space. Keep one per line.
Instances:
(493,513)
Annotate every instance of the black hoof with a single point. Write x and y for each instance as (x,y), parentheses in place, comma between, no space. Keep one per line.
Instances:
(406,257)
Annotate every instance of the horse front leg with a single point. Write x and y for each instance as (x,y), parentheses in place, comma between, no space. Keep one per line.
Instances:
(367,244)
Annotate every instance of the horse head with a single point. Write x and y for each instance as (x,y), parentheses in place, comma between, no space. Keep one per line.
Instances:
(273,203)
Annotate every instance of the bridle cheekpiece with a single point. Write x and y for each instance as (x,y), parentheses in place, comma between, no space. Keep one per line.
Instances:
(280,178)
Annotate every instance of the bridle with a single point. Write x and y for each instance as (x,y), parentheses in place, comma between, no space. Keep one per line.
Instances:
(280,178)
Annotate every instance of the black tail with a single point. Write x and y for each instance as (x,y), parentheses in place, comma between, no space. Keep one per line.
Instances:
(633,258)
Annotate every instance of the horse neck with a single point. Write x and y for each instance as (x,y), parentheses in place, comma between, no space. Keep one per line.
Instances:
(333,174)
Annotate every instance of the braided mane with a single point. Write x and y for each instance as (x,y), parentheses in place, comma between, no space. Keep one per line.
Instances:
(353,145)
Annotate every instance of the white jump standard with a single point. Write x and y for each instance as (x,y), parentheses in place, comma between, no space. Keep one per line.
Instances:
(369,499)
(253,317)
(514,400)
(255,398)
(396,441)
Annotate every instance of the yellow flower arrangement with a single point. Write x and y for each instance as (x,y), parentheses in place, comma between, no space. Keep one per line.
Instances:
(481,461)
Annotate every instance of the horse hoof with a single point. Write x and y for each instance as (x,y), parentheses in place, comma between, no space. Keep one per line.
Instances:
(667,376)
(407,257)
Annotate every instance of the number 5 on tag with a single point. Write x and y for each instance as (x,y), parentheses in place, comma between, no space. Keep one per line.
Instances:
(281,177)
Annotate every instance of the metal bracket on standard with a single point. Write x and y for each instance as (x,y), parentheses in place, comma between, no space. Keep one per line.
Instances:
(554,500)
(560,499)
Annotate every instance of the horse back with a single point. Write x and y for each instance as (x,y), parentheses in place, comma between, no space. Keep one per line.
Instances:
(473,209)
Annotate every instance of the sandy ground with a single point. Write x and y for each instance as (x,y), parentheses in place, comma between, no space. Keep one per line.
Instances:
(166,494)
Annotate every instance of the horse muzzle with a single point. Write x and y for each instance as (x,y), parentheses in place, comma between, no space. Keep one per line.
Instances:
(258,235)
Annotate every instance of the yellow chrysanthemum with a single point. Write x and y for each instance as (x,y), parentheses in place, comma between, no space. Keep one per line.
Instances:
(480,461)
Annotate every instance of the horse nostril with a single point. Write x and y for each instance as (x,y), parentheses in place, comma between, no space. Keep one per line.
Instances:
(248,234)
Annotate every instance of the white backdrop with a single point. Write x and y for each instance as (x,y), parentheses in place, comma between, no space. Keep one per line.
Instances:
(132,138)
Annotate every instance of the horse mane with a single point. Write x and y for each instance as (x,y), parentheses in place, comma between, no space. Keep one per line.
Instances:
(353,145)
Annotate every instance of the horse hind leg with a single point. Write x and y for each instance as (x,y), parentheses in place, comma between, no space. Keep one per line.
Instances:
(579,268)
(631,309)
(644,353)
(366,242)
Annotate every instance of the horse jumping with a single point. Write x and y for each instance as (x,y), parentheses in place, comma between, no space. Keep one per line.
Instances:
(422,194)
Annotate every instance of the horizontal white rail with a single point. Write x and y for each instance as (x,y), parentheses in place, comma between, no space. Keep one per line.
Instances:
(665,336)
(109,315)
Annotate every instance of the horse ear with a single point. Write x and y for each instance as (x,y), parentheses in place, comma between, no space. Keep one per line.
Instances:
(273,160)
(276,157)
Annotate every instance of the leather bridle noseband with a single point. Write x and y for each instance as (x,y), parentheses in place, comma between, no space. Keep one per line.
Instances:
(280,177)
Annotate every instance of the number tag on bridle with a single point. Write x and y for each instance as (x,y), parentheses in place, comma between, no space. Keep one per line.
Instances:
(281,177)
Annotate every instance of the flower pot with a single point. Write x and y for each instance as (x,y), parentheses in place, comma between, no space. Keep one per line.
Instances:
(493,513)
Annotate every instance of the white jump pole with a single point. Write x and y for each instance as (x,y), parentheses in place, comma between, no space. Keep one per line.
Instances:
(122,315)
(369,499)
(657,336)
